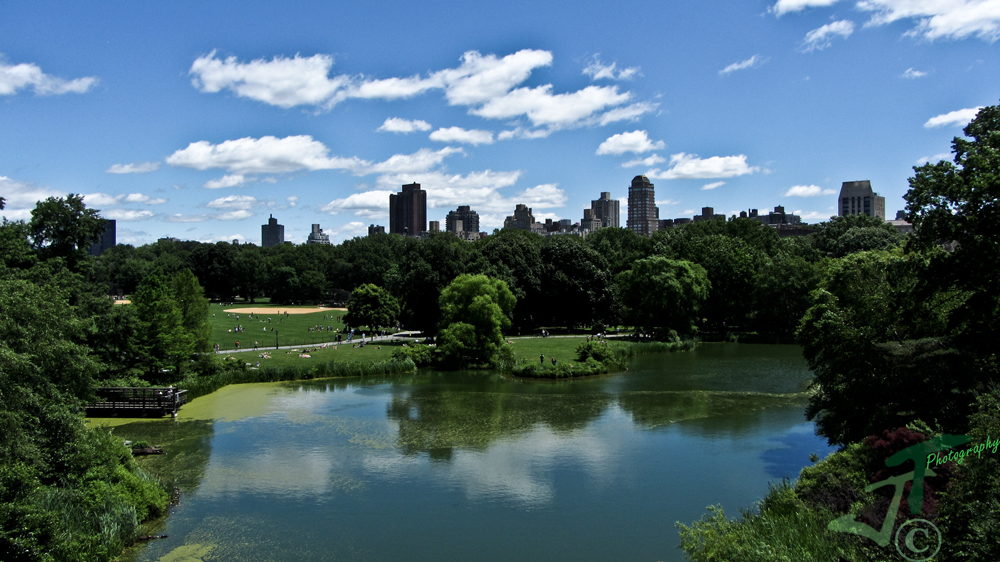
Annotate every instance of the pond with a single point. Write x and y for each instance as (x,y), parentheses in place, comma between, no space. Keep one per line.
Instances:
(474,466)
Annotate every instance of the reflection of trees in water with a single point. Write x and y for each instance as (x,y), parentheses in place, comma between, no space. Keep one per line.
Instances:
(187,446)
(727,413)
(437,422)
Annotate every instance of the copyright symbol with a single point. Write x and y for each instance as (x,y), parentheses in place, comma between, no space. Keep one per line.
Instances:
(918,540)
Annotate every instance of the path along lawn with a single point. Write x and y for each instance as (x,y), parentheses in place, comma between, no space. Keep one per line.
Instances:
(563,349)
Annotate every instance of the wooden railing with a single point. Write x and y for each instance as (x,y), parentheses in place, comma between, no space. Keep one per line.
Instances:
(138,401)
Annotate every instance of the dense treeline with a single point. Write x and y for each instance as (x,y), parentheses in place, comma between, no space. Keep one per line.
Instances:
(756,281)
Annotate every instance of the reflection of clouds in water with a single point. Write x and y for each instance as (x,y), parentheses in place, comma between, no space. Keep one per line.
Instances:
(276,471)
(390,465)
(521,470)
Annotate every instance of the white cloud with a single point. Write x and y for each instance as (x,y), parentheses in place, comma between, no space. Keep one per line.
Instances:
(292,201)
(939,19)
(371,204)
(234,215)
(187,218)
(543,196)
(127,214)
(808,191)
(822,37)
(786,6)
(958,118)
(751,62)
(21,197)
(814,215)
(230,180)
(349,230)
(555,111)
(689,166)
(598,71)
(141,168)
(458,134)
(140,198)
(290,154)
(106,200)
(664,202)
(626,113)
(14,77)
(651,160)
(478,189)
(712,185)
(636,141)
(935,158)
(399,125)
(242,202)
(911,73)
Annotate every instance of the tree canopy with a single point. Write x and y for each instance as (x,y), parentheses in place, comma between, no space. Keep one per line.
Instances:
(475,309)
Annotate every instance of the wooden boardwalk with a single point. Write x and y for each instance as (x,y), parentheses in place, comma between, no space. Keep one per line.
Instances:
(136,402)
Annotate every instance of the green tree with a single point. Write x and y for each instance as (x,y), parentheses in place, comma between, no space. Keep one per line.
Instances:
(166,343)
(663,293)
(194,307)
(514,256)
(481,302)
(576,283)
(959,203)
(371,306)
(65,228)
(841,236)
(252,271)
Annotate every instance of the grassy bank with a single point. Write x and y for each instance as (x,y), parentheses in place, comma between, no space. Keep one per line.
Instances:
(202,385)
(594,358)
(270,327)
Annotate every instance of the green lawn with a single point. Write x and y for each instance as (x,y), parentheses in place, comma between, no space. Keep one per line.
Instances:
(270,326)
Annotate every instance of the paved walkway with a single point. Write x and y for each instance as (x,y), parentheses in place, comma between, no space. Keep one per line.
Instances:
(401,336)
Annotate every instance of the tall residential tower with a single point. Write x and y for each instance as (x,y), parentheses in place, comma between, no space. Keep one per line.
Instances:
(408,211)
(643,215)
(857,198)
(272,233)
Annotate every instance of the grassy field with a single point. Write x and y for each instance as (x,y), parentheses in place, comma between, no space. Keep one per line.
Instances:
(266,329)
(563,349)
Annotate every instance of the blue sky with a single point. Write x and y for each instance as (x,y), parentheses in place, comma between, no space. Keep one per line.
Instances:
(197,120)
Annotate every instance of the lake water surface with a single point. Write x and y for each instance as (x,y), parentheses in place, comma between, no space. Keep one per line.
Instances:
(474,466)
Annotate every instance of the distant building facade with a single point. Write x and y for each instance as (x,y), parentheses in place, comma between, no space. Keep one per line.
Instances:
(857,198)
(464,219)
(522,219)
(589,223)
(408,211)
(605,210)
(374,229)
(272,233)
(317,236)
(707,214)
(435,226)
(643,215)
(108,239)
(773,218)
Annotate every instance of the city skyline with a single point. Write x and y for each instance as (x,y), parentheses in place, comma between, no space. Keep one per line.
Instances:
(198,121)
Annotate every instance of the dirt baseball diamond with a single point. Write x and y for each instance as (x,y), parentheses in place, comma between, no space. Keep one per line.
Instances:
(278,310)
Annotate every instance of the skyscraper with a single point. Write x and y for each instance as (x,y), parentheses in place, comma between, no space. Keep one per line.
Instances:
(605,210)
(272,233)
(857,198)
(462,220)
(408,211)
(522,219)
(108,238)
(317,236)
(643,215)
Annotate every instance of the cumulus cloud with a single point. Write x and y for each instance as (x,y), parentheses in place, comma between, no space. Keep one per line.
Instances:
(958,118)
(712,185)
(814,215)
(370,204)
(127,214)
(399,125)
(911,73)
(751,62)
(234,215)
(106,200)
(636,141)
(229,180)
(651,160)
(290,154)
(141,198)
(241,202)
(14,77)
(21,197)
(458,134)
(939,19)
(786,6)
(487,84)
(808,191)
(822,37)
(186,218)
(597,71)
(141,168)
(936,158)
(689,166)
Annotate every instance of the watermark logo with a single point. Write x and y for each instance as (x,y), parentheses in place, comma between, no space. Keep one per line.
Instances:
(921,540)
